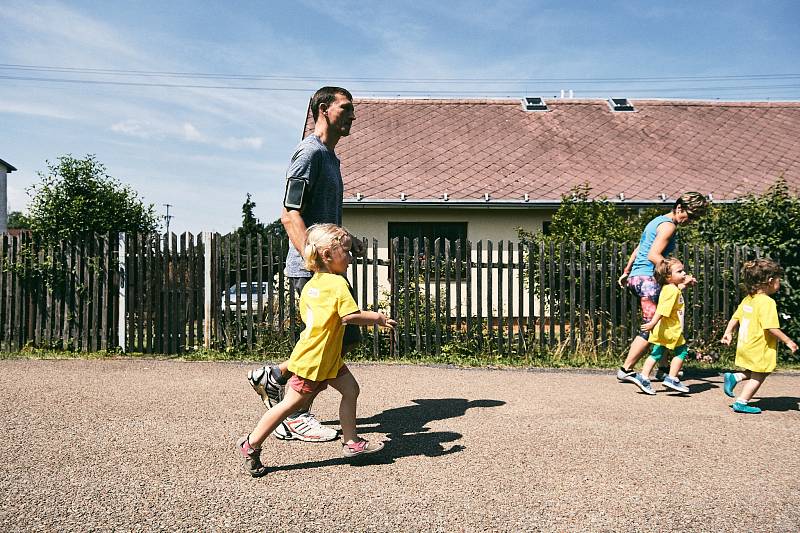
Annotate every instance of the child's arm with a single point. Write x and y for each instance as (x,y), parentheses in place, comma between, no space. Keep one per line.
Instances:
(690,280)
(368,318)
(784,339)
(653,321)
(727,337)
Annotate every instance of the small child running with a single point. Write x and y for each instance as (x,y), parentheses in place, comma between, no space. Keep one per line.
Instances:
(759,332)
(326,306)
(666,326)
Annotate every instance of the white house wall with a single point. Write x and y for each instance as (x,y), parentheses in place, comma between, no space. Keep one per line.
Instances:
(482,225)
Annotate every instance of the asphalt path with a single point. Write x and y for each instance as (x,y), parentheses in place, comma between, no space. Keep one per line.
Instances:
(143,445)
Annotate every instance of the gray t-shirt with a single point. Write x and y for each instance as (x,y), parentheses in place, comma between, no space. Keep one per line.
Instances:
(322,203)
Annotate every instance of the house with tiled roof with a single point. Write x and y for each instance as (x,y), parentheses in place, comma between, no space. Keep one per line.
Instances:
(481,168)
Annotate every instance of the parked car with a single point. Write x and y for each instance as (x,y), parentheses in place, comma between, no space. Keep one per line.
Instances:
(247,291)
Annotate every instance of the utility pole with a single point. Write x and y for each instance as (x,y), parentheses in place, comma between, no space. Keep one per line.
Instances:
(167,217)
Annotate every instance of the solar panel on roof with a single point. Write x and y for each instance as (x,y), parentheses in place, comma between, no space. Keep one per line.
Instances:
(620,104)
(534,103)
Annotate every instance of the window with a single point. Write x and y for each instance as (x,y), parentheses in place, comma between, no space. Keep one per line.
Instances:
(451,231)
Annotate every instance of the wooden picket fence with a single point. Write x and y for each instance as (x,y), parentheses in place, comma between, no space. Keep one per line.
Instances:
(515,299)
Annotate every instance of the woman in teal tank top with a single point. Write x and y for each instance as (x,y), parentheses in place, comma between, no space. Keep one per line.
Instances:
(657,241)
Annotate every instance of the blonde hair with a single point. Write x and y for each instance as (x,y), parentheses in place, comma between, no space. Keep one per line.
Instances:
(758,273)
(664,269)
(321,238)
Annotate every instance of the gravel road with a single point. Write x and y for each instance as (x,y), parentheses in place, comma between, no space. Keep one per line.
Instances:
(143,445)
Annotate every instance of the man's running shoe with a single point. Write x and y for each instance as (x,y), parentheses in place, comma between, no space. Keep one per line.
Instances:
(251,456)
(730,383)
(741,407)
(625,375)
(675,384)
(305,427)
(264,383)
(643,383)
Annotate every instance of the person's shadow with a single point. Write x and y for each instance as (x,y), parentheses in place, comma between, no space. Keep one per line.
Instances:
(408,432)
(779,403)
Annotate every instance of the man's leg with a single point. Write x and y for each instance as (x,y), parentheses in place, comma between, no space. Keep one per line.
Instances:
(269,380)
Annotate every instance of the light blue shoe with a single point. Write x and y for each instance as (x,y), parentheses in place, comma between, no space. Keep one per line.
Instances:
(675,384)
(730,383)
(740,407)
(643,383)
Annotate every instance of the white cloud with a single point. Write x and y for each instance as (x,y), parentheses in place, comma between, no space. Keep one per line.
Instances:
(34,109)
(134,128)
(54,27)
(190,133)
(252,143)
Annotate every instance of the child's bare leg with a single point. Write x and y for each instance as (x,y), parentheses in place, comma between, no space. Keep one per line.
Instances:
(347,386)
(675,366)
(751,386)
(274,416)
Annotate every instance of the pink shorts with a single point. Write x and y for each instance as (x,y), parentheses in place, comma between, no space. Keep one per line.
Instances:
(308,386)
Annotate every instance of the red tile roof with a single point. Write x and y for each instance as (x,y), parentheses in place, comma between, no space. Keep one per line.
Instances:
(466,148)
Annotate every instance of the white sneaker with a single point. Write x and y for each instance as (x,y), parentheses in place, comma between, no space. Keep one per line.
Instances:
(622,375)
(304,427)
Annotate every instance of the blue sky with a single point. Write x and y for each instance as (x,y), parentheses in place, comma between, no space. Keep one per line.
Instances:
(202,149)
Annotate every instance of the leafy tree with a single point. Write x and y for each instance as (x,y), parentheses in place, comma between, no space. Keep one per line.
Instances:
(253,226)
(77,196)
(582,218)
(769,222)
(18,220)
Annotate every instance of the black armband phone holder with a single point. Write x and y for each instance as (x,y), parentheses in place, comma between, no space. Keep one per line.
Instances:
(295,193)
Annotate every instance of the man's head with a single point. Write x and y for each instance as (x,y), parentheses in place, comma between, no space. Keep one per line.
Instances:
(327,98)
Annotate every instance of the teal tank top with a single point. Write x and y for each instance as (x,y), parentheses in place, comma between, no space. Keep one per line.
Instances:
(641,264)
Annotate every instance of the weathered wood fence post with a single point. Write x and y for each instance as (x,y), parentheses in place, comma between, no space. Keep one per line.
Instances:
(122,337)
(207,294)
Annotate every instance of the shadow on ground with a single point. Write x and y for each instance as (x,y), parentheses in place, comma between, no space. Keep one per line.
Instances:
(408,433)
(779,403)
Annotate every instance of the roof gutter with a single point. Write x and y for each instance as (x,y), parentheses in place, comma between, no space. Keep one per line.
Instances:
(377,203)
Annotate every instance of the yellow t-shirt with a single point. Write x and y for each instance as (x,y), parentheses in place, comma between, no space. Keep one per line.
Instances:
(669,330)
(324,301)
(756,347)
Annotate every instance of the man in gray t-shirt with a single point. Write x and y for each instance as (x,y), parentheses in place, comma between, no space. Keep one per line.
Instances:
(318,168)
(314,194)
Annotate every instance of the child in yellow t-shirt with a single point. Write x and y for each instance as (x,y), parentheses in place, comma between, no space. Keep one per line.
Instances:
(326,306)
(759,332)
(666,326)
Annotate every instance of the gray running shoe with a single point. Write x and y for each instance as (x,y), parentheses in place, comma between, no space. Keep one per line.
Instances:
(263,382)
(625,375)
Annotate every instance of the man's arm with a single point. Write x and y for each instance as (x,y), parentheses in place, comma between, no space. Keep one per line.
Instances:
(295,228)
